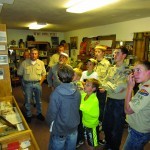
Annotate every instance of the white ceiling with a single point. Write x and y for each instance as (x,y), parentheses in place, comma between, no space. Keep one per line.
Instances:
(22,12)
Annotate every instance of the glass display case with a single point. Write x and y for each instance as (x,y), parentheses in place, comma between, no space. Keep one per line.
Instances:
(14,131)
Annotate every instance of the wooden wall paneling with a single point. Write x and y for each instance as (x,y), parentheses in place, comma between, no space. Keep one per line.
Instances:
(2,27)
(141,45)
(138,49)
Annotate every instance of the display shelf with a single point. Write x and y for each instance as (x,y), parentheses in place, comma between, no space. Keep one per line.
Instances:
(15,56)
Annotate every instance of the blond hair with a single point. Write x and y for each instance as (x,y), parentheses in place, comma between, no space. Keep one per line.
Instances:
(78,71)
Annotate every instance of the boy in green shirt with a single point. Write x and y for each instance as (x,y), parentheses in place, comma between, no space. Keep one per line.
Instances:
(90,112)
(76,80)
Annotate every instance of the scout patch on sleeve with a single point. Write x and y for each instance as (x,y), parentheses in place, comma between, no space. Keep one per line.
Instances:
(143,92)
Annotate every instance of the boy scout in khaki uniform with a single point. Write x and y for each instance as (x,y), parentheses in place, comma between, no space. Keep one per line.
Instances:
(33,72)
(115,84)
(101,68)
(137,107)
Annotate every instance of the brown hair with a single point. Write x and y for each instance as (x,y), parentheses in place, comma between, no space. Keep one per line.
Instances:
(144,63)
(95,83)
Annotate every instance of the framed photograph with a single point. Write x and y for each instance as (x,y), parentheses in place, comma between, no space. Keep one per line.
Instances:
(3,37)
(2,47)
(73,42)
(3,59)
(55,41)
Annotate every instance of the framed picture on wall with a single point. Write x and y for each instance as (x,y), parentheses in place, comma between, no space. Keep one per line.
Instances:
(3,59)
(73,42)
(2,47)
(55,41)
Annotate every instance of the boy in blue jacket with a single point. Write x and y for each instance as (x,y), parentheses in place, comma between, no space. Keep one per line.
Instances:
(63,112)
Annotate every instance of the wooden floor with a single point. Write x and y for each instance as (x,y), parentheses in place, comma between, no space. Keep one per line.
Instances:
(41,129)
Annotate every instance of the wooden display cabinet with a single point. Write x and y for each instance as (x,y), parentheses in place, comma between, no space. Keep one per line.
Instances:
(25,134)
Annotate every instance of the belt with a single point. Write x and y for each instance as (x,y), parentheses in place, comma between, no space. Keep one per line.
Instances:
(115,99)
(26,82)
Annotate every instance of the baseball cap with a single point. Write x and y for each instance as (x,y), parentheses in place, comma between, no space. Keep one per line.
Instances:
(64,54)
(93,61)
(101,47)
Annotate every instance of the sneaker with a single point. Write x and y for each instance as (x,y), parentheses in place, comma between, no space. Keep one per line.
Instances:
(40,117)
(28,119)
(79,144)
(102,142)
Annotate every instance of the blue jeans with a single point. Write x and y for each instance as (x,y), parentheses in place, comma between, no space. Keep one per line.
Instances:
(113,123)
(136,140)
(29,89)
(67,142)
(23,89)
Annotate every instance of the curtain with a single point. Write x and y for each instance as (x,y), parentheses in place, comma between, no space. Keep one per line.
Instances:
(141,45)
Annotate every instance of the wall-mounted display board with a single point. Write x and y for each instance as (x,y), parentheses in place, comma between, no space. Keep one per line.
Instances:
(5,84)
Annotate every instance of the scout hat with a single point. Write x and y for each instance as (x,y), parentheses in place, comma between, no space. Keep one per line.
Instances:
(64,54)
(101,47)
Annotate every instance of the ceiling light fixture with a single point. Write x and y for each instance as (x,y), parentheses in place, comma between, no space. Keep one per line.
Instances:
(88,5)
(37,26)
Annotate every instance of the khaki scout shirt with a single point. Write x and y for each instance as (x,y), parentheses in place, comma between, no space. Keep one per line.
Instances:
(140,104)
(32,72)
(115,82)
(102,68)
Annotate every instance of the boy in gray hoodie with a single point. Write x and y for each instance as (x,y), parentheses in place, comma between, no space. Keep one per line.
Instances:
(63,112)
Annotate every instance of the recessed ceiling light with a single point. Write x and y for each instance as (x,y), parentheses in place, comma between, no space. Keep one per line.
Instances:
(36,26)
